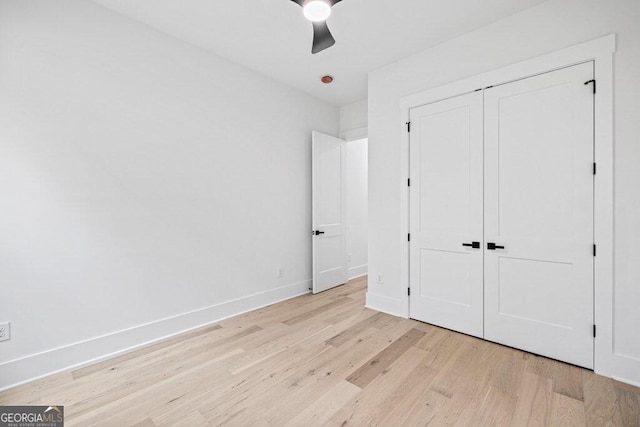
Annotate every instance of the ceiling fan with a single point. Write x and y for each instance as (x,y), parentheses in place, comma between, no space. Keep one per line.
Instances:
(317,11)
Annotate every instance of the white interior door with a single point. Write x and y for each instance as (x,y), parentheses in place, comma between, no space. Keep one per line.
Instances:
(446,213)
(539,214)
(329,212)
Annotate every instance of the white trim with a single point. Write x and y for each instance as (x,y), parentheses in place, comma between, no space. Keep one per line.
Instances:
(35,366)
(587,51)
(404,209)
(358,271)
(622,367)
(384,304)
(601,51)
(633,383)
(354,134)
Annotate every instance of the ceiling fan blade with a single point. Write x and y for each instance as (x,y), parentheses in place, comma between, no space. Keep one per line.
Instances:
(322,37)
(333,1)
(300,2)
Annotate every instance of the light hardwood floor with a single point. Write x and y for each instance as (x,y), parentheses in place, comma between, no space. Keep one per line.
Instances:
(326,360)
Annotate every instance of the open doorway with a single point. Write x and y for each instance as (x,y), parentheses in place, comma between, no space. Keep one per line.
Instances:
(339,210)
(357,207)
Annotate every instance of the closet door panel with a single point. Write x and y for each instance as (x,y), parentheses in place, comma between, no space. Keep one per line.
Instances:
(539,214)
(446,213)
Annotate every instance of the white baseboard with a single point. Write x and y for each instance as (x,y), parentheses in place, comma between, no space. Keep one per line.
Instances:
(627,381)
(392,306)
(35,366)
(358,271)
(626,369)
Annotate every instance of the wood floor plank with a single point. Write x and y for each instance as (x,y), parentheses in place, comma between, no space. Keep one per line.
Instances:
(447,342)
(507,377)
(194,420)
(323,407)
(147,422)
(161,396)
(566,412)
(354,330)
(466,378)
(252,382)
(417,379)
(327,360)
(356,411)
(467,367)
(108,364)
(349,312)
(182,365)
(379,363)
(533,407)
(417,407)
(315,333)
(257,391)
(423,412)
(31,393)
(326,365)
(567,380)
(600,400)
(132,378)
(629,404)
(316,312)
(497,408)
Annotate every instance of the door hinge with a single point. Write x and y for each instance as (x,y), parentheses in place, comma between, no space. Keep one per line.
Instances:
(409,291)
(408,182)
(594,84)
(594,168)
(594,250)
(594,331)
(408,126)
(409,237)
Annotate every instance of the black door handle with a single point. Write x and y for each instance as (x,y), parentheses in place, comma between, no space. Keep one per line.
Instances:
(492,246)
(474,245)
(317,232)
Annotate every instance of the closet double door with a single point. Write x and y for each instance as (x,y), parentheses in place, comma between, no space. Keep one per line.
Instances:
(501,214)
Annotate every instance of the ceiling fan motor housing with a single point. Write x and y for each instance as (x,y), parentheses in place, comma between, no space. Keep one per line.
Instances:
(317,11)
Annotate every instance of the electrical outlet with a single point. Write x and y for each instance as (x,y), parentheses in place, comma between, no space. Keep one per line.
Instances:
(5,331)
(281,272)
(379,279)
(349,258)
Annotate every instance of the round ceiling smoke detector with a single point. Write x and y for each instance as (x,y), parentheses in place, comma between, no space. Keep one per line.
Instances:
(316,10)
(326,79)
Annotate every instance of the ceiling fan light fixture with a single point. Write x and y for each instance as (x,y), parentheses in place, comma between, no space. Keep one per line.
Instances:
(316,10)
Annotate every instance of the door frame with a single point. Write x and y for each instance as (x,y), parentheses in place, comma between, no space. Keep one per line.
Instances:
(600,51)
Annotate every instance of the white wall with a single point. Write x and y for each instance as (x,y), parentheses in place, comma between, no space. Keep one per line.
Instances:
(551,26)
(353,120)
(147,187)
(357,207)
(353,128)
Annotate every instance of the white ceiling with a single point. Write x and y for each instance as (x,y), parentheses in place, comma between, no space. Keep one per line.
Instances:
(273,38)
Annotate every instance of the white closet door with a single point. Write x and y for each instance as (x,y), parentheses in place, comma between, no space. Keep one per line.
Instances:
(539,207)
(446,213)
